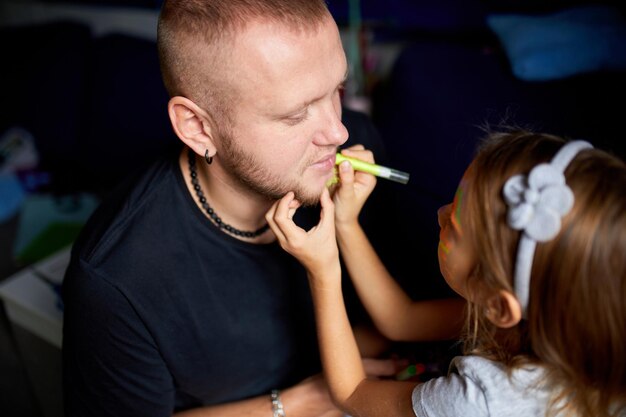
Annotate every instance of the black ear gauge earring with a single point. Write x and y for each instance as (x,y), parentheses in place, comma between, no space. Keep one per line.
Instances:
(207,158)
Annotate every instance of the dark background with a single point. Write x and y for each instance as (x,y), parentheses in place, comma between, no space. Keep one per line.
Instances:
(432,71)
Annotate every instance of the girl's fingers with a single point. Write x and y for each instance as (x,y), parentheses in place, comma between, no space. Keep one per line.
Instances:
(363,155)
(346,174)
(280,214)
(269,216)
(357,147)
(293,206)
(346,192)
(328,208)
(285,205)
(359,152)
(379,367)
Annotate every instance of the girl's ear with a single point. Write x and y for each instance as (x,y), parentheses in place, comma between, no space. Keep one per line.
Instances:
(191,125)
(503,309)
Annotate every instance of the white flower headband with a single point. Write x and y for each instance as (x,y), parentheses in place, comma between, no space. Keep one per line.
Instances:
(537,203)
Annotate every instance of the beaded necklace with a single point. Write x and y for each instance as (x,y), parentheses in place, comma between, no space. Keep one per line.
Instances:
(209,210)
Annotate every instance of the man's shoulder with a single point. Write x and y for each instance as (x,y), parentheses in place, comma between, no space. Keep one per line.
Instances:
(123,206)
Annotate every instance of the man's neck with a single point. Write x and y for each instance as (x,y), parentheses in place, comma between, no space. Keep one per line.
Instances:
(233,203)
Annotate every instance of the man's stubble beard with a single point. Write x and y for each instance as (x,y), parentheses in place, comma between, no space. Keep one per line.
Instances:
(251,175)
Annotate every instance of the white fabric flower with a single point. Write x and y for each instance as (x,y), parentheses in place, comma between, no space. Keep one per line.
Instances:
(536,205)
(538,202)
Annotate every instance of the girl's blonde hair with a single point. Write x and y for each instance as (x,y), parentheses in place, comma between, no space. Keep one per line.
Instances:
(576,324)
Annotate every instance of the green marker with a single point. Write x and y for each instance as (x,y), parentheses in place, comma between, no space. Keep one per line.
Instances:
(377,170)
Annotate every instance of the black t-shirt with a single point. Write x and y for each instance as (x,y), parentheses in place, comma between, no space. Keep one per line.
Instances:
(165,312)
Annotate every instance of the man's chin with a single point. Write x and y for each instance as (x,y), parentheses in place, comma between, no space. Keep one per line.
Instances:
(309,196)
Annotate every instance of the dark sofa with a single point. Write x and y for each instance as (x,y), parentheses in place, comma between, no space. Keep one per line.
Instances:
(431,110)
(96,107)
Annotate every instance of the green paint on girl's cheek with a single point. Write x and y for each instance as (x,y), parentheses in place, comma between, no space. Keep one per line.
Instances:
(444,248)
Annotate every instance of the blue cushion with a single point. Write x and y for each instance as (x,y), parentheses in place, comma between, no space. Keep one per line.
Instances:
(574,41)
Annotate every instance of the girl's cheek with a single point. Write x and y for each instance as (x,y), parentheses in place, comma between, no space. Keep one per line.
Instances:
(446,243)
(444,251)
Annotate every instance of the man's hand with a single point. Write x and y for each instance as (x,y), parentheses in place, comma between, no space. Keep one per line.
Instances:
(381,368)
(309,398)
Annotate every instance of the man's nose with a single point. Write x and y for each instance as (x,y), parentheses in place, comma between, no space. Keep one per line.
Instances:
(333,131)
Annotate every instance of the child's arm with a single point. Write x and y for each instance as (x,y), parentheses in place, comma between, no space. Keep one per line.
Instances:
(349,387)
(318,252)
(395,315)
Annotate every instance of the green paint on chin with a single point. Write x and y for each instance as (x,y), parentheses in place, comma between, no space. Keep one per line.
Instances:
(444,248)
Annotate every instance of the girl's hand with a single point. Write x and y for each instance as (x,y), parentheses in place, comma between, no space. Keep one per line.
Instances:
(316,249)
(354,188)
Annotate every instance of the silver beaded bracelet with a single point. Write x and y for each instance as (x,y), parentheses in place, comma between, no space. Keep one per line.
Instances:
(277,404)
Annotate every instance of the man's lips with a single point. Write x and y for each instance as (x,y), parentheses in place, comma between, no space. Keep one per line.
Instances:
(326,163)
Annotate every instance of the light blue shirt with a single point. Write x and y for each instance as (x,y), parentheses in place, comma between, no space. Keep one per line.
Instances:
(476,386)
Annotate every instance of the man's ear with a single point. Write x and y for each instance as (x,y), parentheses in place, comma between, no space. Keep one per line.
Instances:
(503,309)
(191,125)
